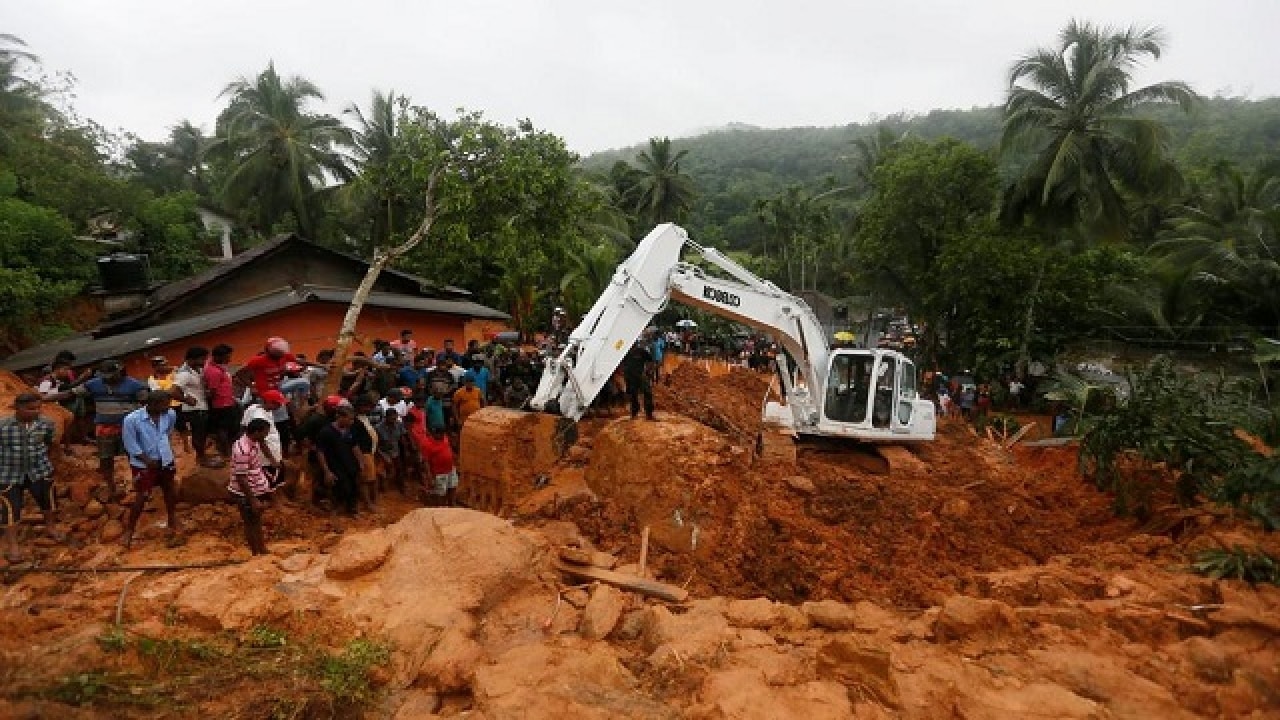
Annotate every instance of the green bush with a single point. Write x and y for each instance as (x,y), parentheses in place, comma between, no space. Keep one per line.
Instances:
(1252,566)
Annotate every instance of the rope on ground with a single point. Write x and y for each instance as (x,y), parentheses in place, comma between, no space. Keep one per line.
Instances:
(123,590)
(136,568)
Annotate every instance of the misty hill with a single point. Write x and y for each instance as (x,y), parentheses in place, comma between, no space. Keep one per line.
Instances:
(738,164)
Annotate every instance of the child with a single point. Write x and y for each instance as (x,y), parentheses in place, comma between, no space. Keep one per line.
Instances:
(249,483)
(437,455)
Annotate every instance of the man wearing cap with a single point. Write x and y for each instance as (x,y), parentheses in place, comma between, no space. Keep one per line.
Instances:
(270,401)
(265,370)
(145,436)
(114,395)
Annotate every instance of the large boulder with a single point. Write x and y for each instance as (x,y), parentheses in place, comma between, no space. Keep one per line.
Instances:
(358,555)
(580,680)
(656,470)
(746,694)
(979,625)
(233,598)
(503,452)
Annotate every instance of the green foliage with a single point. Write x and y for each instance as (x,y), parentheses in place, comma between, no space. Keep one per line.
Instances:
(1174,434)
(932,203)
(171,233)
(1252,566)
(265,636)
(113,640)
(345,676)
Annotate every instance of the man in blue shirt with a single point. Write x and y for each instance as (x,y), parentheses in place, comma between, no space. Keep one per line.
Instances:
(145,435)
(114,396)
(479,372)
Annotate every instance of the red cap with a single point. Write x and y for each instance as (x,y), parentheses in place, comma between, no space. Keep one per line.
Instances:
(332,402)
(274,396)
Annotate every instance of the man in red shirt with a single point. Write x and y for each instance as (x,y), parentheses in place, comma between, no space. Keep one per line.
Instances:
(441,478)
(224,412)
(265,369)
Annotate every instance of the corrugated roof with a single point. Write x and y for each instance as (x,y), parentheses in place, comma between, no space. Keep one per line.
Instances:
(89,349)
(167,295)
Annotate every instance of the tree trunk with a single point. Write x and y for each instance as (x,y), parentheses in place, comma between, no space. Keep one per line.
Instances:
(1029,319)
(381,259)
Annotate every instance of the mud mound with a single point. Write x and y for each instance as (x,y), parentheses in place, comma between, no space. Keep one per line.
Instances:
(831,530)
(730,403)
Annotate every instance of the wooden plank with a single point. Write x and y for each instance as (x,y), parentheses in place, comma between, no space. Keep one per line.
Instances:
(1018,435)
(644,550)
(650,588)
(579,556)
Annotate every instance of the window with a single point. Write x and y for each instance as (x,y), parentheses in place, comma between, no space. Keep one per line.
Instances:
(847,388)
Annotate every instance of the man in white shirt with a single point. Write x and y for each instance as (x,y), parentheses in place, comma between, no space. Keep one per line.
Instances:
(194,410)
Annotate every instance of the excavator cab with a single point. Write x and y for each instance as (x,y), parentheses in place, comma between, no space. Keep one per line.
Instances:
(873,393)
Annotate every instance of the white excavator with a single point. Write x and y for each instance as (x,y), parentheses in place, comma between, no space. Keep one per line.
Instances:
(864,394)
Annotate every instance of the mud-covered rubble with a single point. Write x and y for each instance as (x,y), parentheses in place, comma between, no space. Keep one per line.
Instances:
(480,623)
(982,583)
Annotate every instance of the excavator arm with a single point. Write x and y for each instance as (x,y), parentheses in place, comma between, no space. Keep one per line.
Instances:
(641,288)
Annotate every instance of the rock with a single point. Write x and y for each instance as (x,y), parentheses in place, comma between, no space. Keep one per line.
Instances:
(112,531)
(792,618)
(954,508)
(80,492)
(855,663)
(200,485)
(870,617)
(576,597)
(674,640)
(630,626)
(760,613)
(233,598)
(745,694)
(602,611)
(1035,700)
(297,562)
(830,614)
(751,638)
(1209,659)
(94,509)
(578,455)
(983,624)
(418,704)
(801,484)
(358,555)
(451,666)
(1119,586)
(579,680)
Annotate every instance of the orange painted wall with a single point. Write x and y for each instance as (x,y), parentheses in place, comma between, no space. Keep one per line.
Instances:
(312,327)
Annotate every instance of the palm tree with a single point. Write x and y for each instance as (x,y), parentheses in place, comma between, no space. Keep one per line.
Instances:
(1071,108)
(662,191)
(374,144)
(19,97)
(869,153)
(1231,237)
(592,269)
(281,156)
(184,154)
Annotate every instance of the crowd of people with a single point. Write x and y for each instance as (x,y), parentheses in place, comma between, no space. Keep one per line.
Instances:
(392,421)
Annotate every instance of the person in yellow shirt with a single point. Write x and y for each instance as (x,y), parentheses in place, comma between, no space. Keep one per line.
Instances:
(467,400)
(162,379)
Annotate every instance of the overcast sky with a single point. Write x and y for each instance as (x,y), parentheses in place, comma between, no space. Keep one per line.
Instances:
(609,74)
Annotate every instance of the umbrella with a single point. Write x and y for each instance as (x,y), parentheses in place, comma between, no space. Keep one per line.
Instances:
(686,324)
(845,336)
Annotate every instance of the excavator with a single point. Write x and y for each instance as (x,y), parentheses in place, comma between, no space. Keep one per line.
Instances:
(868,395)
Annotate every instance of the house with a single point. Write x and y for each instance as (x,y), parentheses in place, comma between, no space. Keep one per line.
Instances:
(288,287)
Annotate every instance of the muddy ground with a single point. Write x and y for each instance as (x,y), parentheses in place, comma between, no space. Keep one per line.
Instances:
(970,581)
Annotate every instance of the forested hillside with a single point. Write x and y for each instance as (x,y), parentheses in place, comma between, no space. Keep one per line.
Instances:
(737,165)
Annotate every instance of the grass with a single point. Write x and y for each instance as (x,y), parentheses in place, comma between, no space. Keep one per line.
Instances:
(301,675)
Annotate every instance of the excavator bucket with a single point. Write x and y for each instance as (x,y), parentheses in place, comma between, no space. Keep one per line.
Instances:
(504,455)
